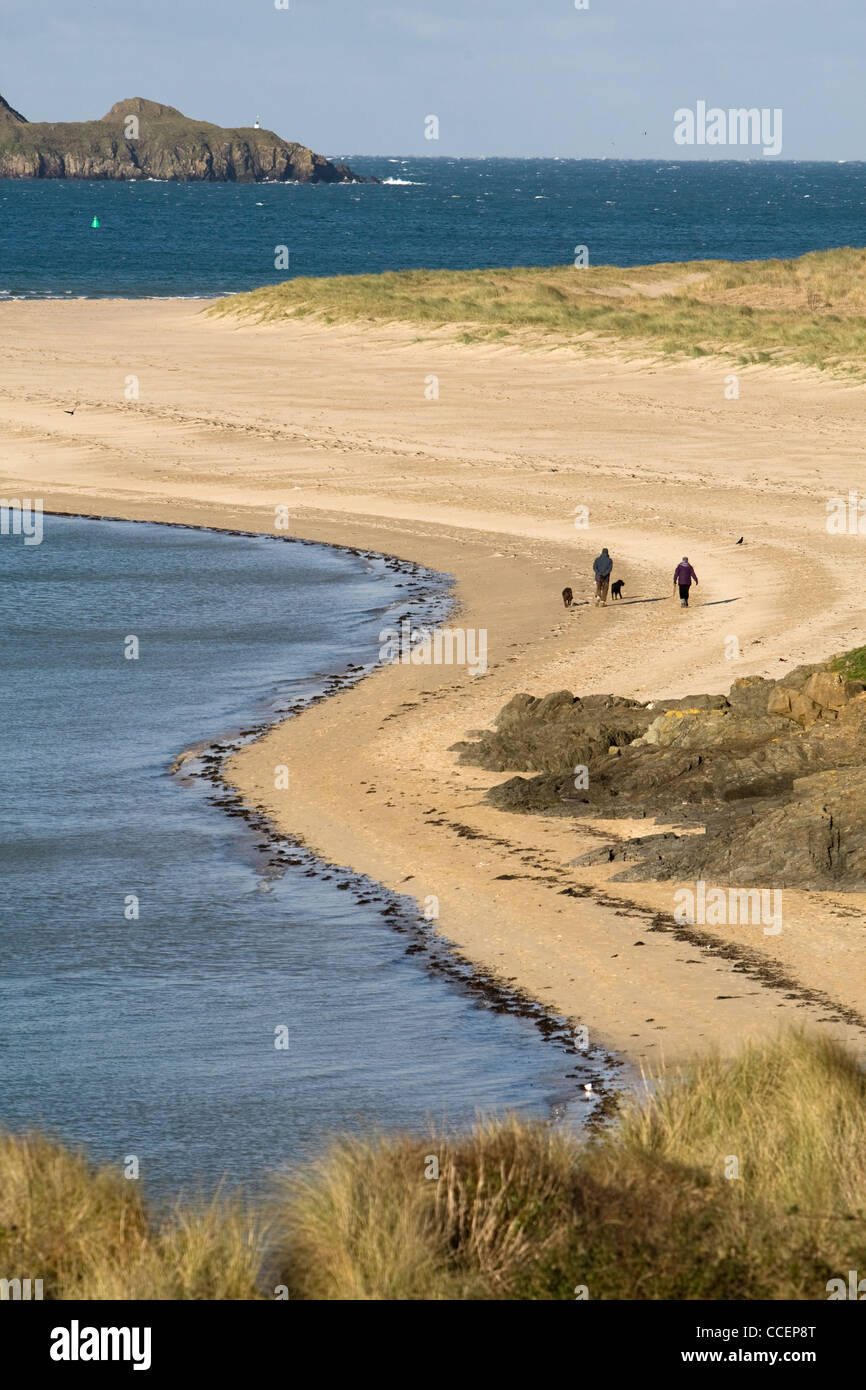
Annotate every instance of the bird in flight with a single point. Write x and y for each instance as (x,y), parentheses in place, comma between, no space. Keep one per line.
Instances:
(740,541)
(70,412)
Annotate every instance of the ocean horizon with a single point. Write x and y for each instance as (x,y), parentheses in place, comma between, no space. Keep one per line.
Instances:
(204,240)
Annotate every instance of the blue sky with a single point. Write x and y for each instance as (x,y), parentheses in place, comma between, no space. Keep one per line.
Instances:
(504,77)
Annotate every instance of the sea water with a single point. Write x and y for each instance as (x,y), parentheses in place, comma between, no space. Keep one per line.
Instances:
(202,239)
(154,956)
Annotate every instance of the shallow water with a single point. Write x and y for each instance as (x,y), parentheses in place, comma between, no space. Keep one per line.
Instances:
(154,1036)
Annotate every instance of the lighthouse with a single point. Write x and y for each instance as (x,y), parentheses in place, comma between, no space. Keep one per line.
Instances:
(258,124)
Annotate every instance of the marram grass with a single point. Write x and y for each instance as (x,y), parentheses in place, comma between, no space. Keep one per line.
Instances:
(650,1210)
(735,1179)
(87,1233)
(806,312)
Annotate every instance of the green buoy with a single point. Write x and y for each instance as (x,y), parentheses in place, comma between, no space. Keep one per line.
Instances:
(95,222)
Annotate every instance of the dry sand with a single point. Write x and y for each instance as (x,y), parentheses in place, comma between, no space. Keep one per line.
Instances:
(233,421)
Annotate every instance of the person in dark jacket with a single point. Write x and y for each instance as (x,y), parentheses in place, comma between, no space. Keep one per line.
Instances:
(602,566)
(684,577)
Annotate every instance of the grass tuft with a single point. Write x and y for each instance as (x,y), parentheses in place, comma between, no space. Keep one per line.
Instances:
(852,663)
(86,1232)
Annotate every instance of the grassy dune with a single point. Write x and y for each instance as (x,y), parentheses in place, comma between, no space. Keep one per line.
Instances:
(518,1211)
(808,311)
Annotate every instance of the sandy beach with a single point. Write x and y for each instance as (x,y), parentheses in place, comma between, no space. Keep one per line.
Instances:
(235,421)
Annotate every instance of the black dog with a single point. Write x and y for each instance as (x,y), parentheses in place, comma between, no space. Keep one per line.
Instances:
(567,597)
(616,588)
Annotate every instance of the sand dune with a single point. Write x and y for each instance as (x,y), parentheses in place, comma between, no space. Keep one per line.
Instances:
(483,483)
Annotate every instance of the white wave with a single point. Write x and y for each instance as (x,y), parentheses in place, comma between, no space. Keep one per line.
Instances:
(406,183)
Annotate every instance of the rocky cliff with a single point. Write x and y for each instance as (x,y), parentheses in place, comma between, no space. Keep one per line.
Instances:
(140,139)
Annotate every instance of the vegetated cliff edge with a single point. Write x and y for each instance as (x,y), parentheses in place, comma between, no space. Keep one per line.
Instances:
(140,139)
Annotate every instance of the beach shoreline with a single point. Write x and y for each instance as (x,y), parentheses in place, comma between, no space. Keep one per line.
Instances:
(207,758)
(466,487)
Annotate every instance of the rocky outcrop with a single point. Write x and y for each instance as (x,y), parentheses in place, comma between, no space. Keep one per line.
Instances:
(767,782)
(823,696)
(140,139)
(812,837)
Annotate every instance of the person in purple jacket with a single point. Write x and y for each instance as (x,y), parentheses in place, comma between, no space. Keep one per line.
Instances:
(684,577)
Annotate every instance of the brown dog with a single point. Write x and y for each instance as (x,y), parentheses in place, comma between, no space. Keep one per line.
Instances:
(567,597)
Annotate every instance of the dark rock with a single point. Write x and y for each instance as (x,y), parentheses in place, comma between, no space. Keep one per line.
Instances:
(556,731)
(815,838)
(771,777)
(690,702)
(750,695)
